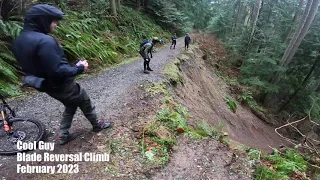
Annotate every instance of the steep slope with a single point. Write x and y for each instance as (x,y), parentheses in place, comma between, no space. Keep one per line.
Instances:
(204,94)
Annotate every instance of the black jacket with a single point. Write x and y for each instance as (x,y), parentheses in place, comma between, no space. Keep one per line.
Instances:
(40,54)
(187,39)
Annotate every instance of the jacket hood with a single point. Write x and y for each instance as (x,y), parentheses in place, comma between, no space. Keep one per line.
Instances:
(39,18)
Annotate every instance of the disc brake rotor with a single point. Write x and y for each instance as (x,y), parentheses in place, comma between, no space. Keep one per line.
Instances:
(17,136)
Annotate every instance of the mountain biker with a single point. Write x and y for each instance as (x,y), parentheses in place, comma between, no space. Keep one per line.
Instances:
(41,57)
(145,50)
(174,41)
(187,40)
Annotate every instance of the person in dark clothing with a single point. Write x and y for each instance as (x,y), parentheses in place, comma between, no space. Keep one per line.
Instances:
(187,40)
(174,41)
(41,57)
(145,50)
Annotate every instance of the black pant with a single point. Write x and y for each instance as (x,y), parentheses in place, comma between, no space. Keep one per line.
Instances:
(73,96)
(174,42)
(186,45)
(146,60)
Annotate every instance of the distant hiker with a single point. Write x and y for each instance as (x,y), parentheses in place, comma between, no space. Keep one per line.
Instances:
(48,70)
(187,40)
(145,50)
(174,41)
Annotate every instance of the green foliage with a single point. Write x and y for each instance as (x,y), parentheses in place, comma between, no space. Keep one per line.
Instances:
(247,98)
(83,37)
(264,173)
(207,130)
(231,104)
(284,165)
(258,56)
(218,24)
(8,74)
(171,118)
(254,154)
(167,14)
(173,74)
(157,88)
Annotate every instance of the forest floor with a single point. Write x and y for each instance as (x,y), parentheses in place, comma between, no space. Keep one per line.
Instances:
(120,95)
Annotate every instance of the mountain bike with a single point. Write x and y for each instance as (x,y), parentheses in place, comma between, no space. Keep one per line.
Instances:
(14,129)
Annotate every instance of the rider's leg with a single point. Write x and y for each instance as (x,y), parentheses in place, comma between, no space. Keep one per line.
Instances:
(85,104)
(66,121)
(145,65)
(148,67)
(87,108)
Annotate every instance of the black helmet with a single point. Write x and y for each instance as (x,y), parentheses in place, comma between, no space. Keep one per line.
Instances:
(45,10)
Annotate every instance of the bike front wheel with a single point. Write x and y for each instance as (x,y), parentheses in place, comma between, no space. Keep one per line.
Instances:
(25,130)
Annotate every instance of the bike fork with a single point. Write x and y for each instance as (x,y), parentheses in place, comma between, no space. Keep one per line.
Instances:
(7,127)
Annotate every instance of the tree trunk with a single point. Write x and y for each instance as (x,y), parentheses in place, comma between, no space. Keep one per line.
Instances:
(118,5)
(255,16)
(248,15)
(304,32)
(284,59)
(238,9)
(294,21)
(113,9)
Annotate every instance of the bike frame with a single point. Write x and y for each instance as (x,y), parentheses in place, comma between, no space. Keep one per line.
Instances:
(8,128)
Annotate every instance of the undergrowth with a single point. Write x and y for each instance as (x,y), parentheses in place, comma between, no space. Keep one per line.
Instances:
(171,120)
(172,73)
(288,164)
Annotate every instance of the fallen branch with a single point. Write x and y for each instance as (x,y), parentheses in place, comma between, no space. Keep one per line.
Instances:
(306,140)
(315,166)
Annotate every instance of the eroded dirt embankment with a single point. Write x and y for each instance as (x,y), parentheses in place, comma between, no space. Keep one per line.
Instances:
(204,94)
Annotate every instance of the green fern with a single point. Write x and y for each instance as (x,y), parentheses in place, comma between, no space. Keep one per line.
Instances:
(231,104)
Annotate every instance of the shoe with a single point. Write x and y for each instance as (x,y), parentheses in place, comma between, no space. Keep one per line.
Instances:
(70,137)
(146,72)
(149,69)
(102,125)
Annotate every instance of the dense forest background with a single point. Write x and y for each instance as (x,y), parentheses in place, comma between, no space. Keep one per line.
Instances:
(272,45)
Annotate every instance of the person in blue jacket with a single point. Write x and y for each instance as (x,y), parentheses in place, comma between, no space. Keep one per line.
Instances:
(174,41)
(41,57)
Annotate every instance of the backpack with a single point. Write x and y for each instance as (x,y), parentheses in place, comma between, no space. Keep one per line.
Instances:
(144,42)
